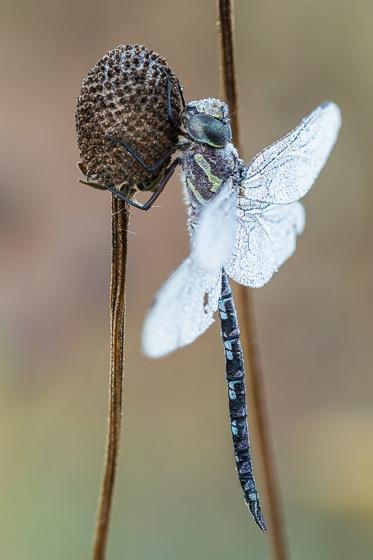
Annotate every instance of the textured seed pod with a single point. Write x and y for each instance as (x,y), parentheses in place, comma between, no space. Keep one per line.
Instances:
(125,96)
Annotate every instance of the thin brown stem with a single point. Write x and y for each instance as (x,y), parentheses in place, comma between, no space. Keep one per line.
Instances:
(119,226)
(246,312)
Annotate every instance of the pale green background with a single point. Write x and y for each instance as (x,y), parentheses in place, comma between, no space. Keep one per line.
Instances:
(177,493)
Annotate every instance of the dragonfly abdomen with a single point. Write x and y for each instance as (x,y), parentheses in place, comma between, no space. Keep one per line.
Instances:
(235,375)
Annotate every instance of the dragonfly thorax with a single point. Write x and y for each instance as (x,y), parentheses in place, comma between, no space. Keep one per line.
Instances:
(209,157)
(205,170)
(207,122)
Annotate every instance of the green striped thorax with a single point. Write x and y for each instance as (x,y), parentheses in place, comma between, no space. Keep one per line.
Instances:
(209,157)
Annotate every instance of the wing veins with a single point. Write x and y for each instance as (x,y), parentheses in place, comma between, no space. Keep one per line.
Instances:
(260,172)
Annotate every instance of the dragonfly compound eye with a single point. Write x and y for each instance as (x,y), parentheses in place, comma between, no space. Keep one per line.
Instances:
(208,130)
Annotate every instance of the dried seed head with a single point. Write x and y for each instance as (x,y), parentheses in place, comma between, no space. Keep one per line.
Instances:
(125,96)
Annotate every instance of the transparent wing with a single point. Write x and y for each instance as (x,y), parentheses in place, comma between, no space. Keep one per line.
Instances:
(286,170)
(269,218)
(265,239)
(216,232)
(184,307)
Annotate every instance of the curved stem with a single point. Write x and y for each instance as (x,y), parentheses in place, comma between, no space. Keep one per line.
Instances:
(245,306)
(119,225)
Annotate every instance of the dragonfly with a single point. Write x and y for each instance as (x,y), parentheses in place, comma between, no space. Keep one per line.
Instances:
(243,222)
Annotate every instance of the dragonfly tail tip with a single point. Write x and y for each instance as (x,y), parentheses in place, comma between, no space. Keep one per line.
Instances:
(258,516)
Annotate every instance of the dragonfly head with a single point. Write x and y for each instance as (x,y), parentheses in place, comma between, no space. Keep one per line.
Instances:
(207,121)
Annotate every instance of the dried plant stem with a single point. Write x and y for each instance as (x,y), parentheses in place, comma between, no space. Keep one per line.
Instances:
(245,308)
(119,225)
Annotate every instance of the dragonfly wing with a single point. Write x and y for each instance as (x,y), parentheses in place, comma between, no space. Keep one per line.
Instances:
(264,241)
(184,307)
(215,236)
(286,170)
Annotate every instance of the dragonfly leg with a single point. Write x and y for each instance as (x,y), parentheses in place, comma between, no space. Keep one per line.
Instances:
(169,100)
(235,374)
(160,187)
(151,169)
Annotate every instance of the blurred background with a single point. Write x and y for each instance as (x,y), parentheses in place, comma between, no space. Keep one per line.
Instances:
(177,492)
